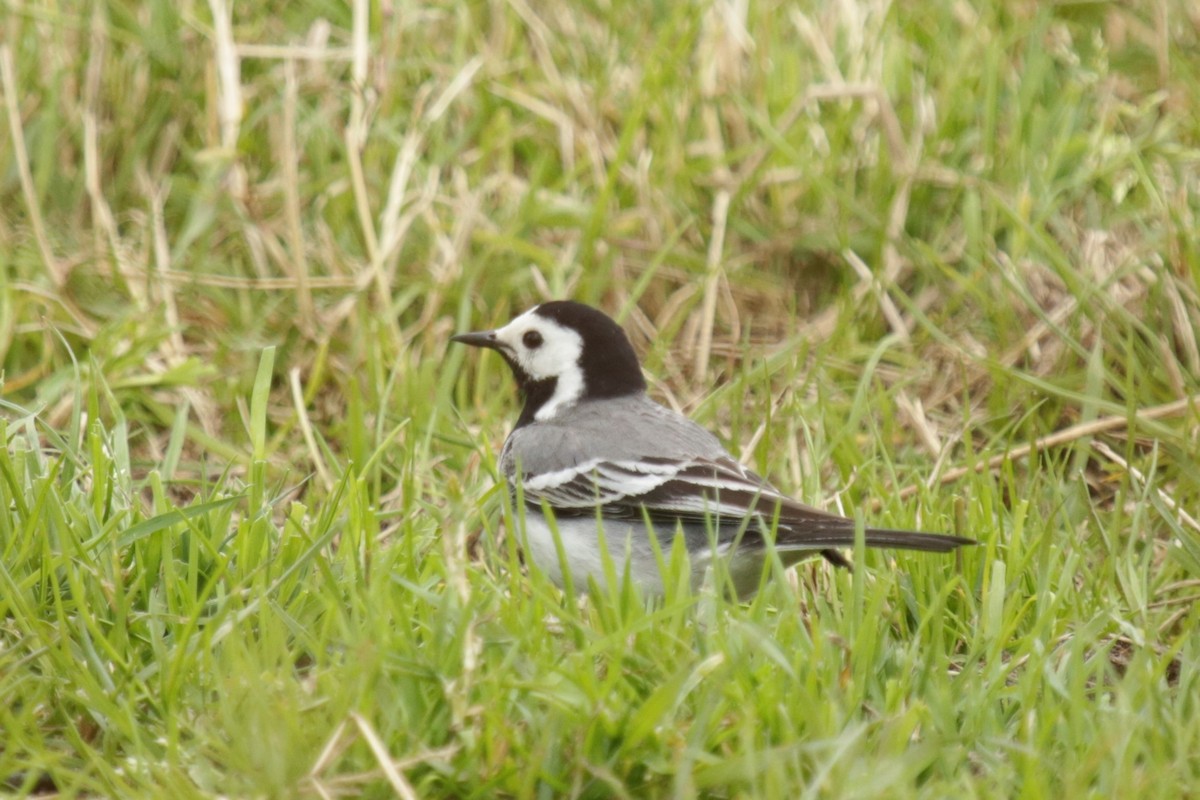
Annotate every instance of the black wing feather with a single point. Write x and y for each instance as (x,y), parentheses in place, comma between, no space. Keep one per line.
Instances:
(711,491)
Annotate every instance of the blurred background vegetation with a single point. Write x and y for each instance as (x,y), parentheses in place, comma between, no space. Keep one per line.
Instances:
(941,257)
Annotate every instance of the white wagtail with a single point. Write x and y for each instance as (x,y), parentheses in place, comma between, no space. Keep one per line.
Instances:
(594,449)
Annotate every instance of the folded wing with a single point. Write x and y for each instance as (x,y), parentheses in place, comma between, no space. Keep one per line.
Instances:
(714,491)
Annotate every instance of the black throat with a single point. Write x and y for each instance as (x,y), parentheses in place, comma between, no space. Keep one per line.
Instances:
(534,394)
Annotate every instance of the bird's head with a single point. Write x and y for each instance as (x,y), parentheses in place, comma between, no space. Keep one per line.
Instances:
(561,353)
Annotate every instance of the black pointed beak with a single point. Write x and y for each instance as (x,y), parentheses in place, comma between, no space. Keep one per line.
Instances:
(478,339)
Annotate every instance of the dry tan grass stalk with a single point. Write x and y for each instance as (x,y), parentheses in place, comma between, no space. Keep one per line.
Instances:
(294,52)
(310,440)
(1170,503)
(354,284)
(229,91)
(103,219)
(1058,306)
(390,768)
(718,70)
(716,247)
(356,134)
(915,411)
(1184,326)
(290,161)
(334,746)
(875,283)
(1070,434)
(8,81)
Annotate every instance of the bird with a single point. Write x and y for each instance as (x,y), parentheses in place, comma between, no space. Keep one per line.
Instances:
(591,453)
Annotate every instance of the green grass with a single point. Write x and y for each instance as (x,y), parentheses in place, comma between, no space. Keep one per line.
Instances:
(935,265)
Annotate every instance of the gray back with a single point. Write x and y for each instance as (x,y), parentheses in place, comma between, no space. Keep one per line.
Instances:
(617,429)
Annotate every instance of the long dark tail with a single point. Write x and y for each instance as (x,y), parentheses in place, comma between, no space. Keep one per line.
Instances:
(913,540)
(837,533)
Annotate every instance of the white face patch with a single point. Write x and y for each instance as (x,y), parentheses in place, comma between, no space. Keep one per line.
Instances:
(544,349)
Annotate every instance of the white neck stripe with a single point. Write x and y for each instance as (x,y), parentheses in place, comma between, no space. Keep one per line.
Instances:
(568,388)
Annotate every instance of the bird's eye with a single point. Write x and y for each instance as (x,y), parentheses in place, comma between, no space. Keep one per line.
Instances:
(532,339)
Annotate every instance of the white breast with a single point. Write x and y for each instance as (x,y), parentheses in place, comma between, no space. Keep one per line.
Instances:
(628,543)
